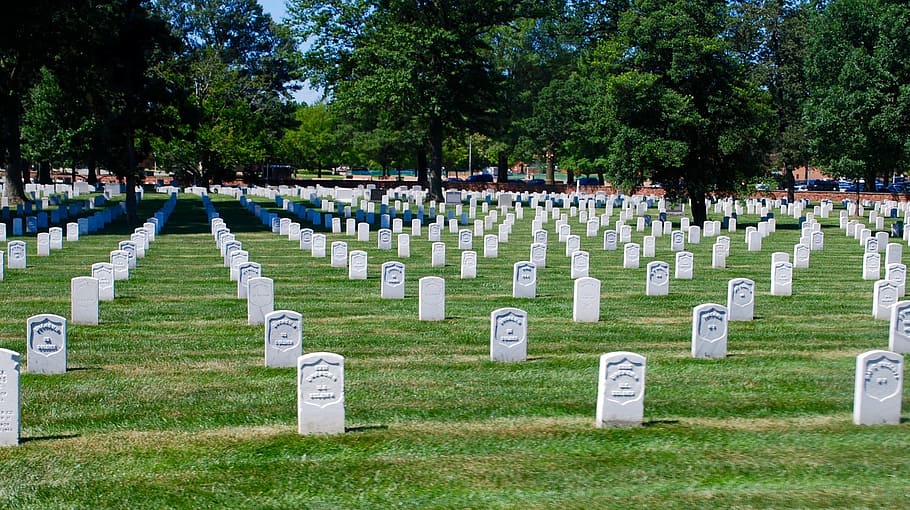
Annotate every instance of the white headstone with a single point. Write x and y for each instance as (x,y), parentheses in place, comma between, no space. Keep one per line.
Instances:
(84,300)
(357,265)
(610,240)
(283,338)
(46,335)
(490,246)
(508,335)
(899,331)
(320,393)
(893,253)
(872,268)
(884,295)
(318,248)
(657,281)
(620,389)
(801,254)
(56,238)
(404,246)
(878,388)
(431,299)
(120,260)
(782,279)
(363,231)
(741,299)
(238,257)
(72,232)
(709,331)
(306,239)
(15,255)
(339,254)
(260,299)
(630,258)
(393,278)
(684,267)
(580,264)
(539,254)
(465,239)
(104,273)
(438,254)
(694,234)
(586,304)
(677,241)
(468,264)
(718,256)
(524,280)
(897,273)
(245,271)
(10,402)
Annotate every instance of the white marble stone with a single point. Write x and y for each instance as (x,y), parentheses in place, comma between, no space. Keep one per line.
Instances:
(684,268)
(16,257)
(339,252)
(741,299)
(631,256)
(320,393)
(260,299)
(10,403)
(508,335)
(586,302)
(431,299)
(468,265)
(620,389)
(392,280)
(579,266)
(657,279)
(884,296)
(358,264)
(104,273)
(878,388)
(709,331)
(84,300)
(438,254)
(524,280)
(46,344)
(782,279)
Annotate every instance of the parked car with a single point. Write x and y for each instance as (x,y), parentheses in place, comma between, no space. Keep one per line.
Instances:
(588,181)
(823,185)
(535,182)
(480,178)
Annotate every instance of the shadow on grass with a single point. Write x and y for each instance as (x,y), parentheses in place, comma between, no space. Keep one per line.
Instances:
(366,428)
(83,369)
(47,438)
(653,423)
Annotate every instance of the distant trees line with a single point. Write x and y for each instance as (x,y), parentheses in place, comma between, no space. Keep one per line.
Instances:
(701,96)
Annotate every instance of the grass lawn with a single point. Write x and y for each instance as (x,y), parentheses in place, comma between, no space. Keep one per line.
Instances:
(167,403)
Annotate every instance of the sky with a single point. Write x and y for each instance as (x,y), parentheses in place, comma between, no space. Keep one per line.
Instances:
(278,10)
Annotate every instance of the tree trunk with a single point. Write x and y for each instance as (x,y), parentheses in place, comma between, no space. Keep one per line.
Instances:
(699,213)
(570,176)
(435,169)
(422,167)
(44,173)
(791,183)
(551,168)
(92,176)
(14,188)
(502,165)
(131,216)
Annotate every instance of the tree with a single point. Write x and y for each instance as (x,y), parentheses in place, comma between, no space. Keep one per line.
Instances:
(858,67)
(315,143)
(772,34)
(674,106)
(425,65)
(237,70)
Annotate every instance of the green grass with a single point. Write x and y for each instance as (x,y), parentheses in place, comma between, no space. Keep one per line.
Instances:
(167,403)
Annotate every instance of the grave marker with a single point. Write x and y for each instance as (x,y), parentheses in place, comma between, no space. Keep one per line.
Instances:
(260,299)
(393,278)
(878,388)
(84,300)
(10,403)
(508,335)
(320,393)
(431,299)
(46,334)
(586,303)
(709,331)
(620,389)
(283,338)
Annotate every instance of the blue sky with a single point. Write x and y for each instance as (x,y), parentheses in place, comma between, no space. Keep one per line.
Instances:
(278,11)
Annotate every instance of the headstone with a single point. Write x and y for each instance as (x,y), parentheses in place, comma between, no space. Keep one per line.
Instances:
(677,241)
(438,254)
(245,271)
(10,403)
(801,254)
(490,246)
(586,304)
(694,234)
(878,388)
(782,279)
(899,331)
(741,299)
(404,246)
(104,273)
(392,285)
(339,254)
(238,257)
(610,240)
(718,256)
(580,264)
(630,258)
(318,248)
(72,232)
(893,253)
(306,239)
(120,260)
(363,231)
(524,280)
(685,262)
(709,331)
(15,253)
(56,238)
(620,389)
(872,266)
(897,273)
(753,240)
(465,239)
(468,265)
(320,393)
(283,338)
(508,335)
(260,299)
(658,279)
(46,335)
(357,265)
(84,300)
(431,299)
(44,244)
(573,244)
(884,295)
(539,255)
